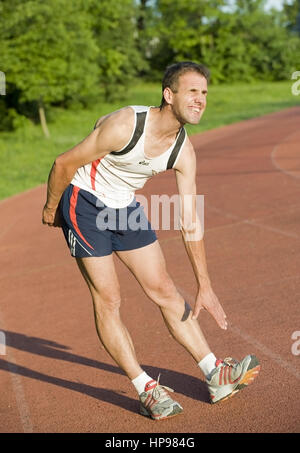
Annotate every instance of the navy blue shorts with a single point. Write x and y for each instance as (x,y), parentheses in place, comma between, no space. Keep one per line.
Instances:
(93,229)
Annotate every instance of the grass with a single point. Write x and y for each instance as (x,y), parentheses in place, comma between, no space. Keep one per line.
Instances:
(26,156)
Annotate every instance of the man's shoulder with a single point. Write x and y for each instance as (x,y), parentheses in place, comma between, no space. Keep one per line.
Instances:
(134,108)
(139,108)
(125,114)
(119,124)
(122,116)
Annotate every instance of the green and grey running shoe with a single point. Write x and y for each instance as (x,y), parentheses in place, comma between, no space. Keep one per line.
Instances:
(230,376)
(156,403)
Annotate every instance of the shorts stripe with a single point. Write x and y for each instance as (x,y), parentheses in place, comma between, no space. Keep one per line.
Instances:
(72,213)
(72,243)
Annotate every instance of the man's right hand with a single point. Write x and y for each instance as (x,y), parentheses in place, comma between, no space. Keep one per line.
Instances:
(51,217)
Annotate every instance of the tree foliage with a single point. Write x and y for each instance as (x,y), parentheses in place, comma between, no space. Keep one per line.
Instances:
(243,43)
(115,31)
(292,13)
(61,52)
(49,54)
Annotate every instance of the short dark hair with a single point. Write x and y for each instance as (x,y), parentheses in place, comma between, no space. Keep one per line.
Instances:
(174,71)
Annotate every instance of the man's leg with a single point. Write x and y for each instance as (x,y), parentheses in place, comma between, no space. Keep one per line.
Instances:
(148,266)
(224,378)
(102,280)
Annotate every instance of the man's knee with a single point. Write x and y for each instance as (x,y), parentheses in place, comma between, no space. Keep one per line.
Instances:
(161,289)
(107,304)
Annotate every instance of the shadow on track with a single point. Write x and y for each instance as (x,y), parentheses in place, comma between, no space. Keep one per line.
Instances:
(182,383)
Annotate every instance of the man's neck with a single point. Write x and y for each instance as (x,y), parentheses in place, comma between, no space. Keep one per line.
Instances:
(164,122)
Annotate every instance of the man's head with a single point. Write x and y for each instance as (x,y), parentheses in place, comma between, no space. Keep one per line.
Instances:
(184,91)
(173,73)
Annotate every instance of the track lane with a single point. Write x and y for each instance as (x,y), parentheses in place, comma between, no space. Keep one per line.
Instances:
(252,216)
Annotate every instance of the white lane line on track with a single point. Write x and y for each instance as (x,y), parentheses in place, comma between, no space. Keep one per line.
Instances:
(252,341)
(274,230)
(253,222)
(18,389)
(280,212)
(266,351)
(19,394)
(250,222)
(273,158)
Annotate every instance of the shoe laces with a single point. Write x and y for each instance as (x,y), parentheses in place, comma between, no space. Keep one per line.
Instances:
(161,388)
(228,361)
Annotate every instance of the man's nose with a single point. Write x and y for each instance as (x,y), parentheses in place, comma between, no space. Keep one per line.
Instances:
(200,100)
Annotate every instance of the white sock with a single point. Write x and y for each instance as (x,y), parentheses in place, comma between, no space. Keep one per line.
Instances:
(140,382)
(208,364)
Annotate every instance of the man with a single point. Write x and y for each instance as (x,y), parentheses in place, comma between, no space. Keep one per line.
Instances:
(101,174)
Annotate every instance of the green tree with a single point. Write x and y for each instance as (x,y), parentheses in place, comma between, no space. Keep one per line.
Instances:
(251,44)
(48,52)
(114,28)
(292,11)
(271,50)
(238,42)
(180,29)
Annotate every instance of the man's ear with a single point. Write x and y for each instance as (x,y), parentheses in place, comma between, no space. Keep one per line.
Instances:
(168,95)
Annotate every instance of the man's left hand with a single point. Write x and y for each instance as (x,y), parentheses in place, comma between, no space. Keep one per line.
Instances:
(206,299)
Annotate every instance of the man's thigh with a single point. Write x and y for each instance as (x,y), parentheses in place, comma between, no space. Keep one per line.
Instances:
(149,267)
(101,277)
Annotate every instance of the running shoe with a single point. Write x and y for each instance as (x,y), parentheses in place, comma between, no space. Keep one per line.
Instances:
(156,403)
(230,376)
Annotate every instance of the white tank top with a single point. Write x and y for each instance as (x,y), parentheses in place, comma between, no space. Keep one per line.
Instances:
(115,178)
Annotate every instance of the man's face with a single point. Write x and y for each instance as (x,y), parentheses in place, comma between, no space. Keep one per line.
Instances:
(189,101)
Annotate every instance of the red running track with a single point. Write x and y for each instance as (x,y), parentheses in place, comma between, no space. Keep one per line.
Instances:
(55,376)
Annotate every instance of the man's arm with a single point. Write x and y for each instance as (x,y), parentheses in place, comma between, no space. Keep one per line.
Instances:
(192,234)
(111,134)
